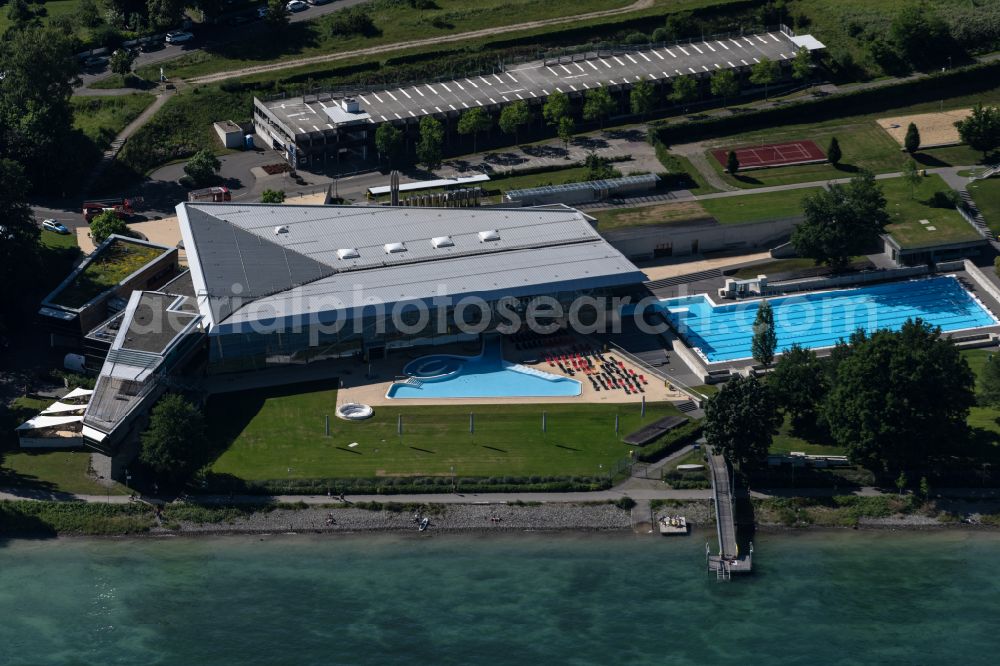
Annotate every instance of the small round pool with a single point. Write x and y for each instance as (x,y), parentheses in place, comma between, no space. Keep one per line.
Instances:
(430,367)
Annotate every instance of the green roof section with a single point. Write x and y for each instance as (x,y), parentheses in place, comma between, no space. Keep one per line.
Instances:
(107,267)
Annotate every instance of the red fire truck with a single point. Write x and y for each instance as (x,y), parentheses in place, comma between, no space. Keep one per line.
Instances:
(123,208)
(215,194)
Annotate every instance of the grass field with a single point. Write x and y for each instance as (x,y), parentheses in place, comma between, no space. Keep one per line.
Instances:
(102,118)
(986,194)
(275,435)
(394,22)
(750,208)
(55,471)
(906,210)
(676,212)
(863,143)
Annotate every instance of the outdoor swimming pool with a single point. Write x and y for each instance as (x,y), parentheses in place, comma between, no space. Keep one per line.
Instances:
(724,332)
(483,376)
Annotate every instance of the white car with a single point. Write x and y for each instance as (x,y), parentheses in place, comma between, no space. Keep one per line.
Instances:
(54,226)
(296,6)
(178,37)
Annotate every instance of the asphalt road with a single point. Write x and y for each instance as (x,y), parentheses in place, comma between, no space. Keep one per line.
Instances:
(213,35)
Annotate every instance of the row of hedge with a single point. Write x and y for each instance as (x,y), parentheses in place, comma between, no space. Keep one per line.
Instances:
(673,440)
(404,485)
(942,85)
(26,517)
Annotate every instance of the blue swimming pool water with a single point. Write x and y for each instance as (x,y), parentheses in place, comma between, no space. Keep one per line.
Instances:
(724,332)
(483,376)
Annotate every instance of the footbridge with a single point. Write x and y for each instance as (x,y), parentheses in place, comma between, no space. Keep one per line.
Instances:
(728,560)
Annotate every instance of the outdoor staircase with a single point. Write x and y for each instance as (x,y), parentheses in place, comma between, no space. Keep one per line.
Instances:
(683,279)
(107,158)
(985,172)
(974,216)
(687,406)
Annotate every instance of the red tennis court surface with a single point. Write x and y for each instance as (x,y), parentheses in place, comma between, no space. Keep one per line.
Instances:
(775,154)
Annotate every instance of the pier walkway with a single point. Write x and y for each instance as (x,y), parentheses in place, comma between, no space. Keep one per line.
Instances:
(728,560)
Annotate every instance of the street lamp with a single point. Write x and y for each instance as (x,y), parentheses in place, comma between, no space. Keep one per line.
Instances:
(454,485)
(128,480)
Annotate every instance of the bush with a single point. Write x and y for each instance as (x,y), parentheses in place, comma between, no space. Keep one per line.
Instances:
(944,199)
(402,485)
(626,503)
(636,38)
(675,439)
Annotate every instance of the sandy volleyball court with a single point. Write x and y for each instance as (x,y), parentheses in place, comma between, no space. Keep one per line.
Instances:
(936,129)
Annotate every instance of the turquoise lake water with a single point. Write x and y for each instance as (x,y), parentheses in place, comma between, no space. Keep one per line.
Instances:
(725,332)
(819,598)
(483,376)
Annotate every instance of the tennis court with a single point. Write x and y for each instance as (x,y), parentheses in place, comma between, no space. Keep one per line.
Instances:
(775,154)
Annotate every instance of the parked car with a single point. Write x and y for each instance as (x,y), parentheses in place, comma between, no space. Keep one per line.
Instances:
(178,37)
(150,45)
(93,62)
(54,226)
(296,6)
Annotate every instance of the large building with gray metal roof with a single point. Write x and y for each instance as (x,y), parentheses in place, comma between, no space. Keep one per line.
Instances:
(314,129)
(290,284)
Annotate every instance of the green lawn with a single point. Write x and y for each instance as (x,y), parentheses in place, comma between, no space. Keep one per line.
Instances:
(863,143)
(785,442)
(56,471)
(277,434)
(394,22)
(675,212)
(906,209)
(115,263)
(744,209)
(986,194)
(53,241)
(102,118)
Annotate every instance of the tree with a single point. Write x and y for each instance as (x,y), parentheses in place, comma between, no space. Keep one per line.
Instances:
(175,438)
(19,12)
(911,175)
(202,166)
(800,383)
(841,222)
(555,108)
(389,141)
(565,130)
(724,84)
(765,339)
(106,224)
(901,483)
(278,15)
(684,90)
(989,382)
(912,140)
(474,121)
(879,407)
(598,105)
(740,421)
(88,13)
(833,152)
(430,142)
(122,61)
(802,65)
(764,73)
(162,14)
(599,168)
(641,98)
(19,246)
(981,129)
(272,196)
(36,118)
(513,116)
(732,163)
(920,37)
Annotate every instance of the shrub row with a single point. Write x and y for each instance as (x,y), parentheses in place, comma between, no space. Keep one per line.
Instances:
(673,440)
(22,517)
(936,86)
(405,485)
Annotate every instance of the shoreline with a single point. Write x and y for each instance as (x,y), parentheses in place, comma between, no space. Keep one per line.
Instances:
(140,521)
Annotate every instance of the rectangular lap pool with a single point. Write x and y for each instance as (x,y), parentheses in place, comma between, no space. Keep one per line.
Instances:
(820,319)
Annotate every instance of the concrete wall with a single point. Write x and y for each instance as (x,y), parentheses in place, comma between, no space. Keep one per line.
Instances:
(697,237)
(229,133)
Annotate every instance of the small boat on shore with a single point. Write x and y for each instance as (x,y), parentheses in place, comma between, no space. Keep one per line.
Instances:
(672,525)
(424,524)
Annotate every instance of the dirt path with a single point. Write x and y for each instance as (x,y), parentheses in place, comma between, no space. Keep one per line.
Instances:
(486,32)
(695,152)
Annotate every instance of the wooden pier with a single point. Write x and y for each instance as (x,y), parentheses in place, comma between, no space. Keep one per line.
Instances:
(729,559)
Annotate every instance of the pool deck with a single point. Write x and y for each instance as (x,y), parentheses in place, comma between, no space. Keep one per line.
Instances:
(372,390)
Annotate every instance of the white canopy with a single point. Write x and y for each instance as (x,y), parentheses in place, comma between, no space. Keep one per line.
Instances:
(62,407)
(78,392)
(49,422)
